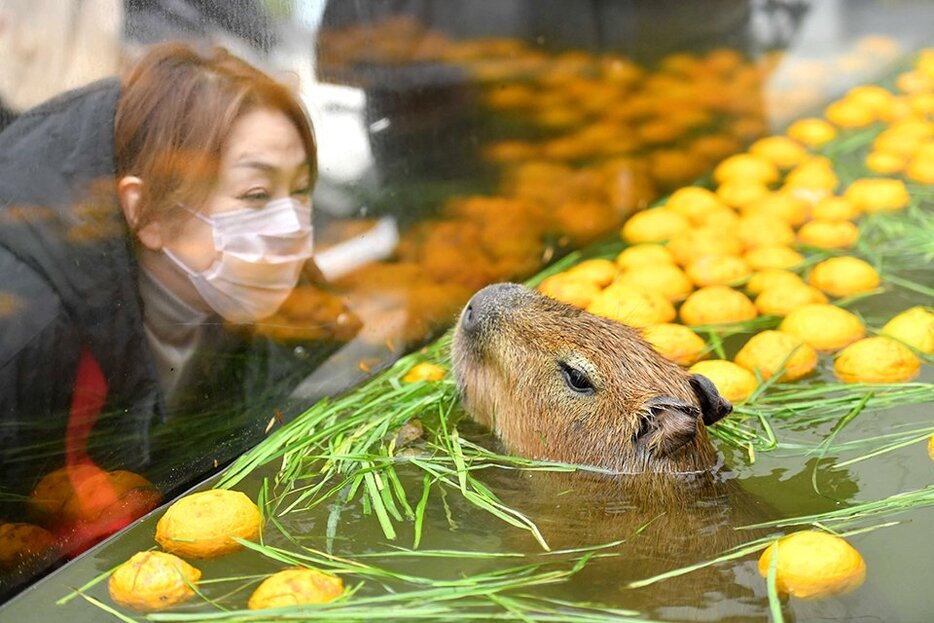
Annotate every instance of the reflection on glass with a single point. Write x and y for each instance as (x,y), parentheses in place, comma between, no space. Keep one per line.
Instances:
(149,223)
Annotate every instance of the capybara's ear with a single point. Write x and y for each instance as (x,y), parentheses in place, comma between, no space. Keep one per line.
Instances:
(669,424)
(714,407)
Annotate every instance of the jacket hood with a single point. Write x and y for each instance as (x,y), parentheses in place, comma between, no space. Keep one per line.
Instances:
(59,215)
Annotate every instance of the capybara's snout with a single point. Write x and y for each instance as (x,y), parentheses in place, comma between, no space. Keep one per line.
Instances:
(489,304)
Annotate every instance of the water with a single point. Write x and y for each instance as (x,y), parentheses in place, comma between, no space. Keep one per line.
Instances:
(689,522)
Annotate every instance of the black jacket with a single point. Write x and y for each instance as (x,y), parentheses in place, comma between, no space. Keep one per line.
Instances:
(68,282)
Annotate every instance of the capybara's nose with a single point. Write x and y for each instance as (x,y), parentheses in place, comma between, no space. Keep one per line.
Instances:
(469,318)
(484,304)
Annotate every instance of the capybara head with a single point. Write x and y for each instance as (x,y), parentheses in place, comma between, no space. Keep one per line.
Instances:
(557,383)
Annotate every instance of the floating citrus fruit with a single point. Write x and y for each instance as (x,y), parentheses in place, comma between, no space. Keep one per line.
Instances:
(878,194)
(424,371)
(834,208)
(716,305)
(746,167)
(770,351)
(813,564)
(296,587)
(693,203)
(675,341)
(914,327)
(773,256)
(665,279)
(734,382)
(823,326)
(597,271)
(655,225)
(812,132)
(639,254)
(876,360)
(632,306)
(701,242)
(844,276)
(716,270)
(770,278)
(781,150)
(782,300)
(757,230)
(570,291)
(780,205)
(740,192)
(829,234)
(152,581)
(204,524)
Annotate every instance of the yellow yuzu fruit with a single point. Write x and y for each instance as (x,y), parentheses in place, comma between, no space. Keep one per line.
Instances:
(780,150)
(151,581)
(714,270)
(693,202)
(570,291)
(746,167)
(812,132)
(825,327)
(723,218)
(844,276)
(769,278)
(781,300)
(644,254)
(597,271)
(815,174)
(773,256)
(424,371)
(829,234)
(203,524)
(665,279)
(784,206)
(885,162)
(716,305)
(914,327)
(735,383)
(632,306)
(701,242)
(834,208)
(812,564)
(849,114)
(757,230)
(921,170)
(876,360)
(873,97)
(739,193)
(296,587)
(655,225)
(675,341)
(902,140)
(770,351)
(878,194)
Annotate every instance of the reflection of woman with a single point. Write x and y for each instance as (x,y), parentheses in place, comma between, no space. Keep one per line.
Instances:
(205,165)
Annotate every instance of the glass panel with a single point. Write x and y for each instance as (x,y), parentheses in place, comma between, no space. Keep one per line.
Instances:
(161,310)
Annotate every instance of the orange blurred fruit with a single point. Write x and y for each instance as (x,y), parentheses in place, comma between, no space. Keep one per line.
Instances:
(812,564)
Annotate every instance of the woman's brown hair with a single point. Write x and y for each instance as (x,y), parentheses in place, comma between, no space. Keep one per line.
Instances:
(176,108)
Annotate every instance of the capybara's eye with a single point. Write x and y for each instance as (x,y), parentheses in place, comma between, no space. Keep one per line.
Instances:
(576,379)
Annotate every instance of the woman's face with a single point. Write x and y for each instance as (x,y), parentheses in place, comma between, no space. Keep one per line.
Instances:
(263,159)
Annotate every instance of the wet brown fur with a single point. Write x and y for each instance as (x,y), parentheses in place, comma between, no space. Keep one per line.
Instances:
(509,374)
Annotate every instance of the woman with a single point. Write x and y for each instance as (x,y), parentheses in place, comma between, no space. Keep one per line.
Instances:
(138,218)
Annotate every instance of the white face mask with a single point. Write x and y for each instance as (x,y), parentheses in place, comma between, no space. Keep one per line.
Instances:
(261,256)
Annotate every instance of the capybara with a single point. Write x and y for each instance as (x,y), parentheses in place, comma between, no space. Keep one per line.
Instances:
(557,383)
